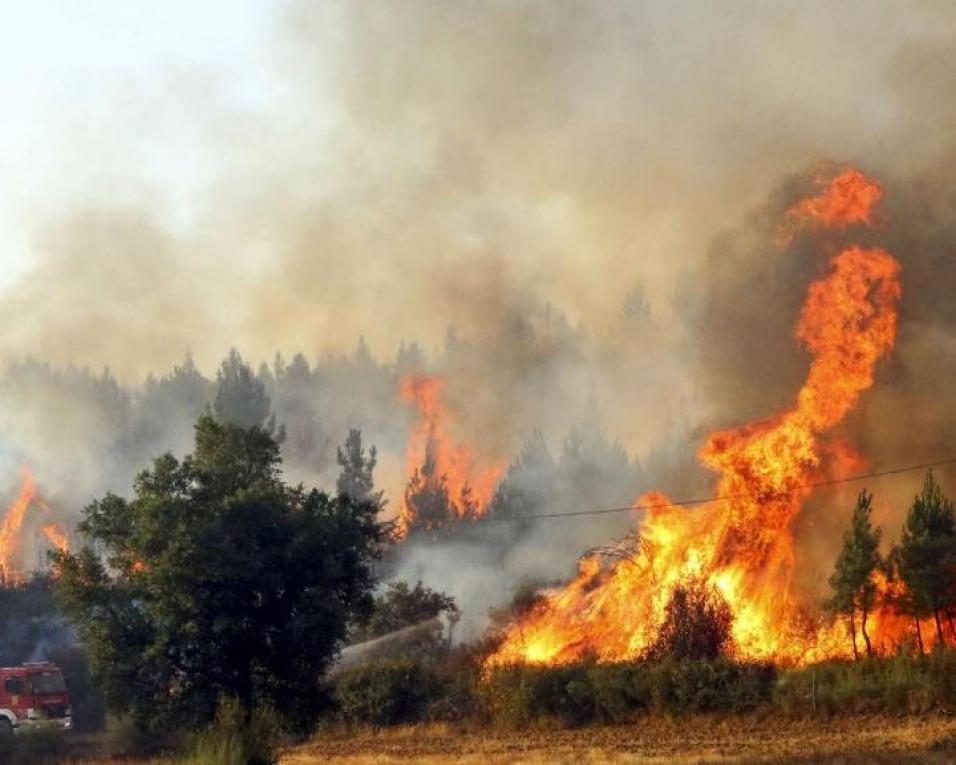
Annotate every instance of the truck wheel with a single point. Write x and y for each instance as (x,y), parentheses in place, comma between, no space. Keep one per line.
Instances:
(6,729)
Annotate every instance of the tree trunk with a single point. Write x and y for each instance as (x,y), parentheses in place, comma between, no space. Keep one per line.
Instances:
(939,628)
(919,637)
(856,653)
(866,638)
(952,626)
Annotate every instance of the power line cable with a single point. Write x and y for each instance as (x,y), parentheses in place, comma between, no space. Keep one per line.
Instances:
(710,500)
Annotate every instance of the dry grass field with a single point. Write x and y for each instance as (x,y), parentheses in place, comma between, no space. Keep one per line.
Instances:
(850,739)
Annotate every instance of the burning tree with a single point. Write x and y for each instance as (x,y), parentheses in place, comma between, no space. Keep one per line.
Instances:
(19,522)
(445,481)
(742,543)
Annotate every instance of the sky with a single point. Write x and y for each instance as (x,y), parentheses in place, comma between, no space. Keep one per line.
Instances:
(69,69)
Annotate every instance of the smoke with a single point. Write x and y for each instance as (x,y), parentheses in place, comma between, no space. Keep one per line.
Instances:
(588,197)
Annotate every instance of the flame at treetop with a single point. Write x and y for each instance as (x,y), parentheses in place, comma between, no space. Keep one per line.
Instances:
(741,543)
(10,540)
(56,536)
(12,528)
(438,460)
(847,199)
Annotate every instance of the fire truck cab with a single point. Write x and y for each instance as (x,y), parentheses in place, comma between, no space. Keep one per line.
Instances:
(33,696)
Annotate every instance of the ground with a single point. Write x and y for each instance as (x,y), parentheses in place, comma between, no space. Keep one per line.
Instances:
(850,739)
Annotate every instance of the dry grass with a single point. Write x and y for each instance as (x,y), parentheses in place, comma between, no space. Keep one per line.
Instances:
(852,739)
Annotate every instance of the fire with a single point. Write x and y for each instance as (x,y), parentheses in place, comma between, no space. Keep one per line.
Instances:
(56,536)
(847,199)
(436,458)
(14,526)
(741,542)
(10,529)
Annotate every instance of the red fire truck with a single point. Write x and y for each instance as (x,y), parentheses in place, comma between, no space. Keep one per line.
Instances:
(33,696)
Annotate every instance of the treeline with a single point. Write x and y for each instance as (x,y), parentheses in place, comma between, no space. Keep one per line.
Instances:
(85,432)
(108,430)
(916,579)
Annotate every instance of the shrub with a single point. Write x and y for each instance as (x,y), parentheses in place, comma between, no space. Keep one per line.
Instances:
(580,693)
(385,691)
(620,690)
(236,737)
(518,694)
(697,623)
(898,684)
(709,686)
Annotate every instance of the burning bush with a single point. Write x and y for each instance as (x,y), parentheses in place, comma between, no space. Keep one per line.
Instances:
(697,624)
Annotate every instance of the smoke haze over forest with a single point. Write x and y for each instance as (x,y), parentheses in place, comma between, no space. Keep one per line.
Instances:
(569,212)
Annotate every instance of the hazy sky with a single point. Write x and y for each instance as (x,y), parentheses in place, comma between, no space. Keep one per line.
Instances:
(70,74)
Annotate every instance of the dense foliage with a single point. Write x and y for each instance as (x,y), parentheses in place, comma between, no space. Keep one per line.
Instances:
(218,580)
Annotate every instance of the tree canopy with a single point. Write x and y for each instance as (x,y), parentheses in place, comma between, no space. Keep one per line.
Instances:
(356,479)
(217,579)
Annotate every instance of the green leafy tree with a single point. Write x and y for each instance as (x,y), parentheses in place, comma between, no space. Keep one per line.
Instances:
(854,590)
(356,478)
(218,580)
(925,559)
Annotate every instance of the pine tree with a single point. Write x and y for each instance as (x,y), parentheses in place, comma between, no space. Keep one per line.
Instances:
(241,397)
(854,591)
(427,498)
(926,557)
(356,478)
(529,485)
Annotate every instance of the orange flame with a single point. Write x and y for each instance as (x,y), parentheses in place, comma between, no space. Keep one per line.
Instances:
(10,529)
(742,542)
(12,568)
(470,486)
(56,536)
(847,199)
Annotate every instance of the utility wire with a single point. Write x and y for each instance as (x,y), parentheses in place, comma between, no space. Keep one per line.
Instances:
(710,500)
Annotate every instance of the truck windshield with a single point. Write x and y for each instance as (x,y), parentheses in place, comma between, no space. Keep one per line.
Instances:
(47,682)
